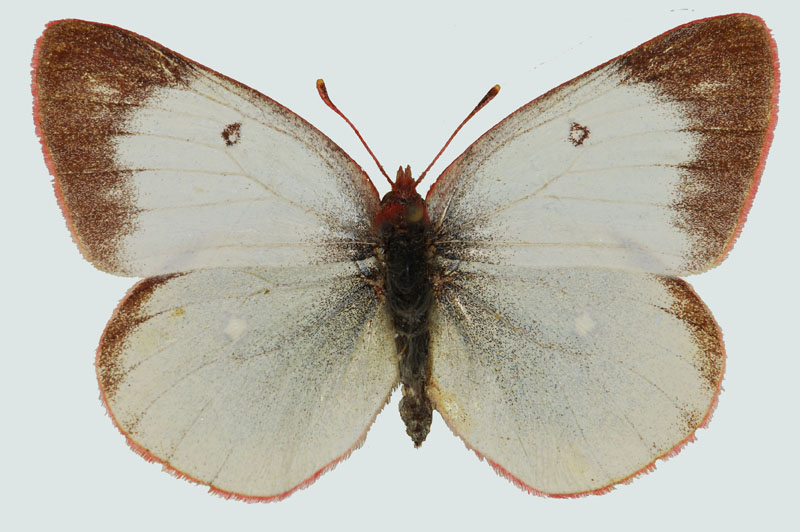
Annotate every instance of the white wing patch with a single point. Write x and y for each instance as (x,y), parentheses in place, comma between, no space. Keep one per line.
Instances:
(535,196)
(252,381)
(267,197)
(572,380)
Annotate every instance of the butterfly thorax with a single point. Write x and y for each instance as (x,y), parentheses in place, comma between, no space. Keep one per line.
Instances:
(404,229)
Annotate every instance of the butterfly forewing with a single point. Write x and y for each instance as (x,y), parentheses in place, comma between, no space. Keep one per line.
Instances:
(162,165)
(648,162)
(252,381)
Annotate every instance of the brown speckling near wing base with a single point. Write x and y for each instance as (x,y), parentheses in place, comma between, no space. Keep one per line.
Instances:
(108,366)
(709,359)
(722,73)
(87,77)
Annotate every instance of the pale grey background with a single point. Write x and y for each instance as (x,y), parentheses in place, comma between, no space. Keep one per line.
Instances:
(406,75)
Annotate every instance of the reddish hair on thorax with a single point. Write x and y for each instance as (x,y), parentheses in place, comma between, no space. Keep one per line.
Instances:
(402,206)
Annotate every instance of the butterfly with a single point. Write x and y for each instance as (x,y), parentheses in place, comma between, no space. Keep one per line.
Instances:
(533,297)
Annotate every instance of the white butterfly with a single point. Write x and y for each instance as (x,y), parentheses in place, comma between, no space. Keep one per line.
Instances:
(532,298)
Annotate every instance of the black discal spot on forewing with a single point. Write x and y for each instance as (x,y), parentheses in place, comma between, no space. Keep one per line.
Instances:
(578,134)
(232,133)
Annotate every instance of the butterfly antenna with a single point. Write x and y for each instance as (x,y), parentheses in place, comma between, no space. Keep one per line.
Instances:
(323,93)
(481,104)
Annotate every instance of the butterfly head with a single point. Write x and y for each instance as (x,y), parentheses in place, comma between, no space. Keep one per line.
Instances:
(402,206)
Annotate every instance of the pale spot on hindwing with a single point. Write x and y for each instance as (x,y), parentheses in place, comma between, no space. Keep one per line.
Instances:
(584,324)
(576,461)
(235,328)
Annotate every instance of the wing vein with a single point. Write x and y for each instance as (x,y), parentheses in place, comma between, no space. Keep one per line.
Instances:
(171,453)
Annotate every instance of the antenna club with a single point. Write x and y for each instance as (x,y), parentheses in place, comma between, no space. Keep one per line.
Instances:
(323,93)
(490,94)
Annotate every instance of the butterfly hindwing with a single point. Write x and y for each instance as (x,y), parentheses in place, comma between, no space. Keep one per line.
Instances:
(648,162)
(162,165)
(252,381)
(572,380)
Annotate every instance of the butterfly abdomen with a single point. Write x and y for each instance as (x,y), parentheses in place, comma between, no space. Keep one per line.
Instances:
(405,233)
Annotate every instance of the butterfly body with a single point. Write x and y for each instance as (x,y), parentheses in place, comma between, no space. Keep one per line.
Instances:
(405,232)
